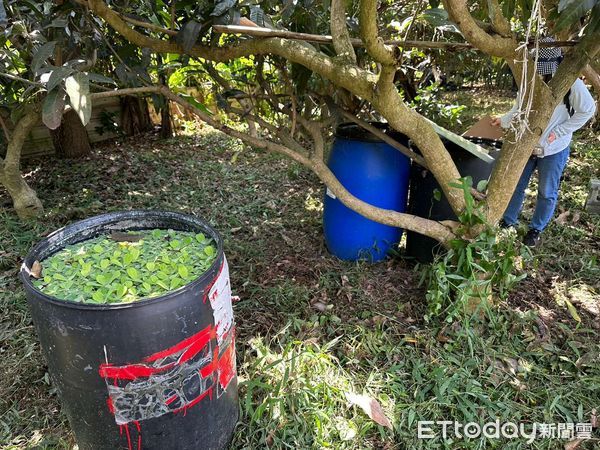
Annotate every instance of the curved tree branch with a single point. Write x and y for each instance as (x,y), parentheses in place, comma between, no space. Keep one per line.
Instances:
(499,46)
(367,21)
(25,200)
(499,23)
(431,228)
(357,80)
(339,32)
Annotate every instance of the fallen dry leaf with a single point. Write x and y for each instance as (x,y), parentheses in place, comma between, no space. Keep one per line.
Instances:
(319,306)
(36,269)
(371,407)
(594,419)
(562,217)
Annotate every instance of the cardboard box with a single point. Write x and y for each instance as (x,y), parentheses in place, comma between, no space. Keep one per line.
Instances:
(484,129)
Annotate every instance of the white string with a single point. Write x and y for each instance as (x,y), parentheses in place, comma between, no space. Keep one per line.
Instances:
(520,121)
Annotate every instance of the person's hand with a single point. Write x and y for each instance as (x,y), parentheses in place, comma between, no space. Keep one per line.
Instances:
(551,137)
(495,122)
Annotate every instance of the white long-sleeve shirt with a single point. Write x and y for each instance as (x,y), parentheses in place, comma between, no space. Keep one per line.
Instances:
(561,123)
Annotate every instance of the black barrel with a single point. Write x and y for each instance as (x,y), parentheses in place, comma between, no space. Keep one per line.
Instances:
(423,184)
(153,374)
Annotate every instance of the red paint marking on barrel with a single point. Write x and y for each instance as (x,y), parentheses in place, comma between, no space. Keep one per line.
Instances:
(190,347)
(139,430)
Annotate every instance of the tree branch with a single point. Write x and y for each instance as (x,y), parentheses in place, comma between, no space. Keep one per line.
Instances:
(22,80)
(149,26)
(385,138)
(339,32)
(575,61)
(356,80)
(499,23)
(499,46)
(370,35)
(12,160)
(428,227)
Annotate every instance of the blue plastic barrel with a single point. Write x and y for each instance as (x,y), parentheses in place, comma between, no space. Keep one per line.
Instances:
(374,172)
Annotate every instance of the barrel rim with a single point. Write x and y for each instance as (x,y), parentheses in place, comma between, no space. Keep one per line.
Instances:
(112,218)
(354,132)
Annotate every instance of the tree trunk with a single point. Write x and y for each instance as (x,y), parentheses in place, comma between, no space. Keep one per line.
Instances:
(166,126)
(70,138)
(25,200)
(135,117)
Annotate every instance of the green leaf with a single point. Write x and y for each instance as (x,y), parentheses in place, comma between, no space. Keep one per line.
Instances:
(86,269)
(98,296)
(53,108)
(78,89)
(437,194)
(209,250)
(482,185)
(257,15)
(183,272)
(41,55)
(97,78)
(222,7)
(151,266)
(121,290)
(508,8)
(572,311)
(135,253)
(133,273)
(200,238)
(571,11)
(189,34)
(195,103)
(175,283)
(104,263)
(57,75)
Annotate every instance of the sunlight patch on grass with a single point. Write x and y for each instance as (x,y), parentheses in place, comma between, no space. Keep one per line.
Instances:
(294,397)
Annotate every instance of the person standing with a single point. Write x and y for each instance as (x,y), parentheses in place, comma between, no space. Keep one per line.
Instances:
(552,152)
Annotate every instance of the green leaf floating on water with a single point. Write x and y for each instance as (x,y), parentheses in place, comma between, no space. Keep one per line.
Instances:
(105,270)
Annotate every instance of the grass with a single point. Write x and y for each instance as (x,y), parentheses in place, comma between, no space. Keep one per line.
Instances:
(310,327)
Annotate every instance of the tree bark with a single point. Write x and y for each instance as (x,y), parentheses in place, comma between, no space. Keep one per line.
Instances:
(70,139)
(25,200)
(135,117)
(166,126)
(339,32)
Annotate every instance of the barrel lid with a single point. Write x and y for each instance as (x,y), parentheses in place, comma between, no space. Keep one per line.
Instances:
(352,131)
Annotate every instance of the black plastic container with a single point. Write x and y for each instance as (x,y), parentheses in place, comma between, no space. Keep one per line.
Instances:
(154,374)
(421,201)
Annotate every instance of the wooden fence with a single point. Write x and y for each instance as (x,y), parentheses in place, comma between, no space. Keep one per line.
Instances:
(39,142)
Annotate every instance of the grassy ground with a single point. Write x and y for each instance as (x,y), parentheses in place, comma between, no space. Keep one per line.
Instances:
(311,327)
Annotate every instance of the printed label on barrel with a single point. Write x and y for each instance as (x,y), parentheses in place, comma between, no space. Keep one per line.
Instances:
(220,300)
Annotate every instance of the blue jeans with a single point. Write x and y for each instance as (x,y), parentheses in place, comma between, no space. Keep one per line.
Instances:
(550,170)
